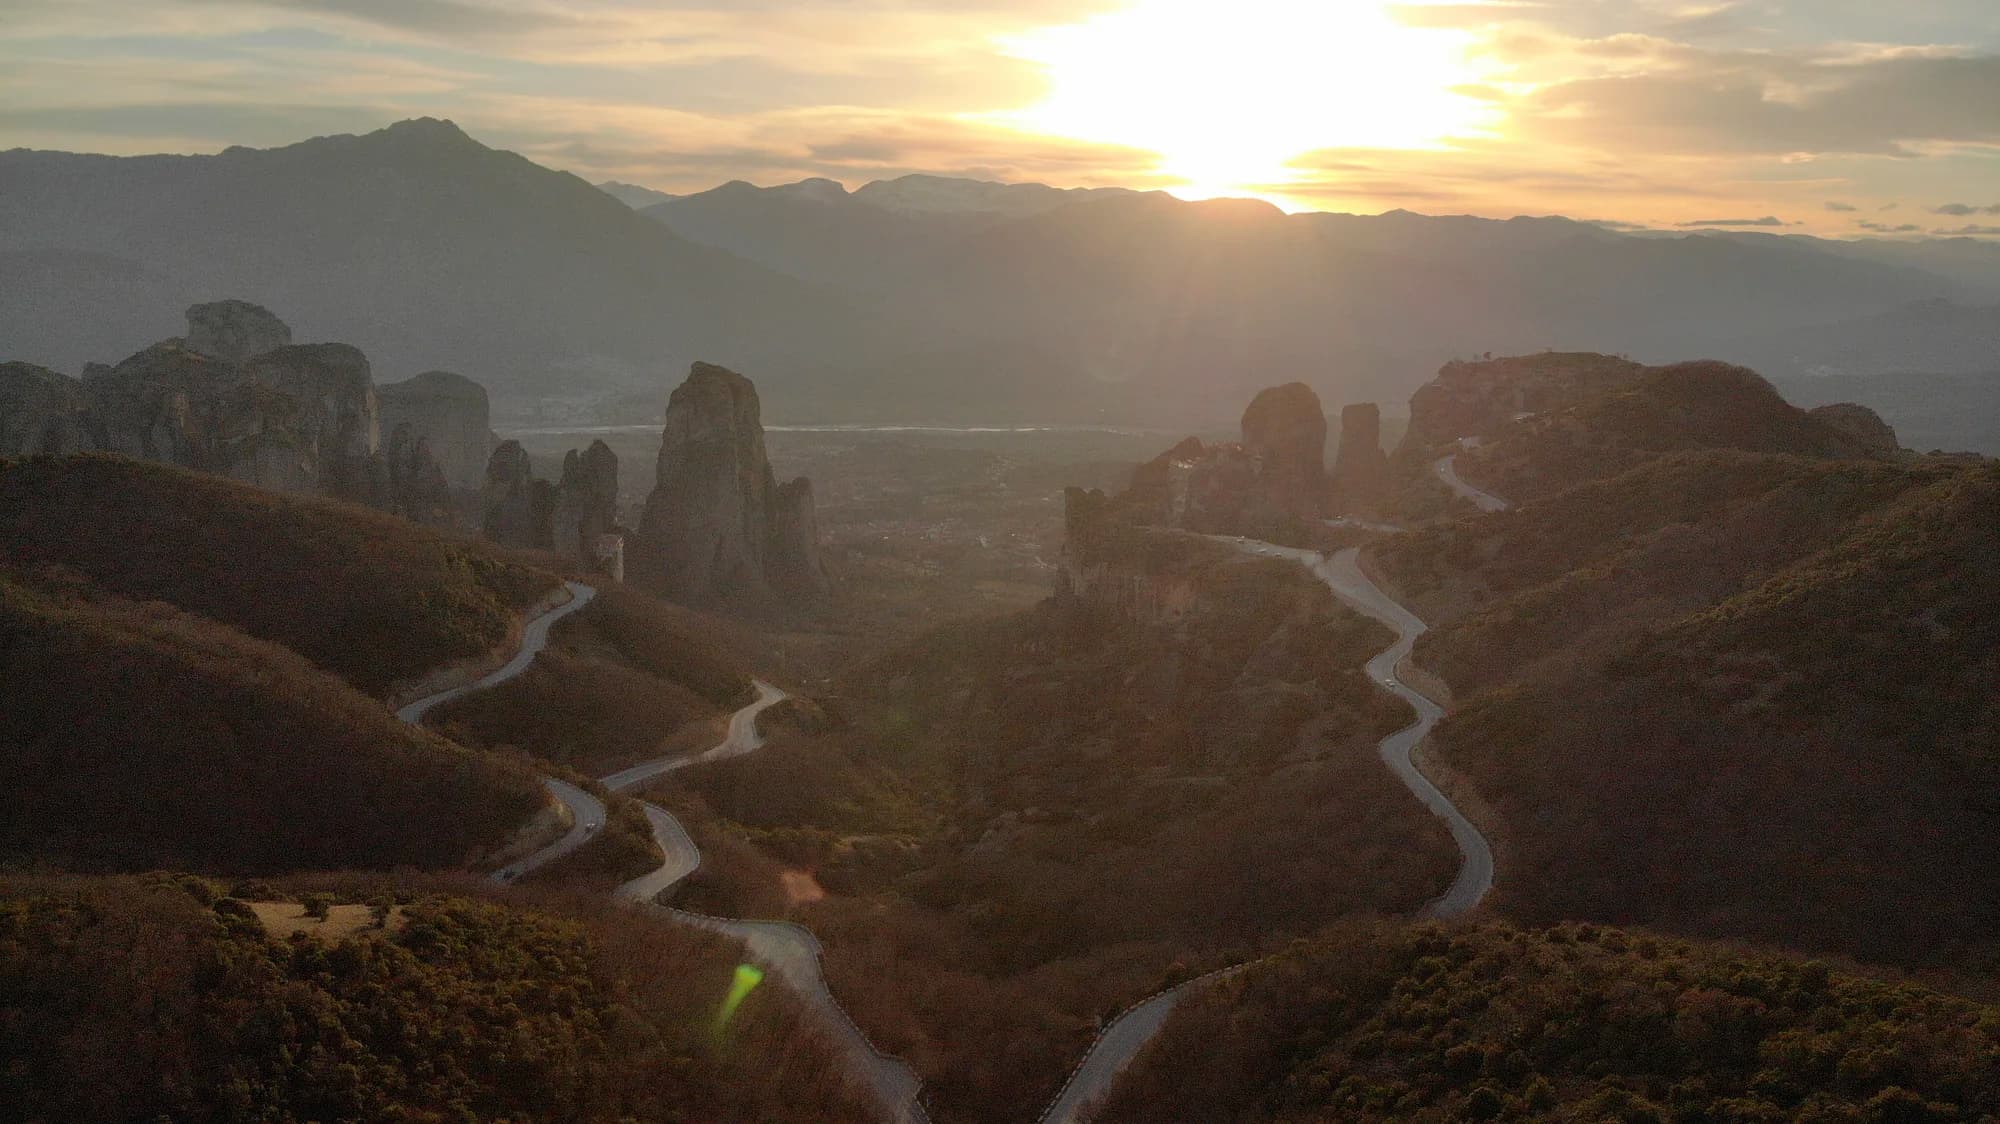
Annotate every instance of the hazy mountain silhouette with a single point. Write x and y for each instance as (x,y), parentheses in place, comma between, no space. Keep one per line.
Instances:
(1199,302)
(924,298)
(633,195)
(416,243)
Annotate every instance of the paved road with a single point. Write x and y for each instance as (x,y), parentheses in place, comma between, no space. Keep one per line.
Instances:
(1342,573)
(1108,1057)
(534,637)
(743,738)
(789,950)
(1122,1041)
(1447,471)
(586,811)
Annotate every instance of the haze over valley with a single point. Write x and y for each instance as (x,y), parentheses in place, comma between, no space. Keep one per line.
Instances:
(1097,562)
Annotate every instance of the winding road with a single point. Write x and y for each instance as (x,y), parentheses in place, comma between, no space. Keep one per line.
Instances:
(586,811)
(787,949)
(1447,471)
(1121,1041)
(780,946)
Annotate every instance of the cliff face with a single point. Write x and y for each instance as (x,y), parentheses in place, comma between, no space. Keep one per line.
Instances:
(235,331)
(517,508)
(40,411)
(1107,564)
(449,412)
(586,500)
(794,557)
(1274,478)
(1285,429)
(334,411)
(416,484)
(234,397)
(716,526)
(1361,469)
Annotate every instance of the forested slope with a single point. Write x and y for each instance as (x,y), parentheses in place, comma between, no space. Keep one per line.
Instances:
(370,597)
(1574,1023)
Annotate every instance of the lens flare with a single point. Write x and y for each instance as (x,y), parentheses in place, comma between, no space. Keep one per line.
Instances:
(748,976)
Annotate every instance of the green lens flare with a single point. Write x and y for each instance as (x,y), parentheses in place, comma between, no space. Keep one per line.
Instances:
(748,976)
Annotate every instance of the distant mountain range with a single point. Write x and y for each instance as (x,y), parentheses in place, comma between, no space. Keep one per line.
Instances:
(923,298)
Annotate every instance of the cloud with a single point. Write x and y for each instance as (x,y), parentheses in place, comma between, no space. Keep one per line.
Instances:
(1885,228)
(1965,231)
(1767,220)
(1842,207)
(1645,94)
(1960,210)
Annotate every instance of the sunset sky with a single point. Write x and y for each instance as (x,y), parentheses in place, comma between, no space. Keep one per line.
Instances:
(1839,117)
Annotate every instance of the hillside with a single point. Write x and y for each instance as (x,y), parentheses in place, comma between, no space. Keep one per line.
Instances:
(1573,1023)
(618,683)
(136,737)
(1686,406)
(158,998)
(370,597)
(1010,827)
(1715,695)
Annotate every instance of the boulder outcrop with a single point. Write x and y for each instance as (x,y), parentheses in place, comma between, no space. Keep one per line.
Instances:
(40,412)
(451,413)
(716,527)
(1360,467)
(517,509)
(235,331)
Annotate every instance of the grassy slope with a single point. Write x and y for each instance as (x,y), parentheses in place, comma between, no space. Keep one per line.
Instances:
(370,597)
(137,999)
(135,736)
(1575,1023)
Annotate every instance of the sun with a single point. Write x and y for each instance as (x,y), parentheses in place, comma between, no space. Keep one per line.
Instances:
(1229,93)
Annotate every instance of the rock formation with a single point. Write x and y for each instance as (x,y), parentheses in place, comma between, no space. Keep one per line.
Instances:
(40,412)
(517,509)
(334,397)
(1862,424)
(1360,467)
(1285,429)
(716,526)
(417,487)
(1275,478)
(449,412)
(235,331)
(1482,399)
(289,418)
(586,506)
(794,559)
